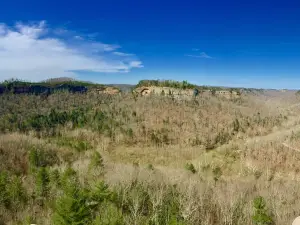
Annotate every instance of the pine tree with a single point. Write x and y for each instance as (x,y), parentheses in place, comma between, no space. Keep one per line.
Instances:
(100,193)
(96,161)
(4,198)
(72,208)
(33,159)
(16,193)
(42,182)
(261,215)
(55,177)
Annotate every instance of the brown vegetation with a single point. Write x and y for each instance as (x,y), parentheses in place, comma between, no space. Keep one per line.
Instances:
(201,160)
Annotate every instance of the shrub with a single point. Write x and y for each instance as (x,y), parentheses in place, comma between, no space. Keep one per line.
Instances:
(78,145)
(27,220)
(160,137)
(130,133)
(190,167)
(236,125)
(261,216)
(100,193)
(4,197)
(222,138)
(42,182)
(16,193)
(55,177)
(213,92)
(34,159)
(41,158)
(217,172)
(109,214)
(13,195)
(169,210)
(69,179)
(257,174)
(150,167)
(54,184)
(96,161)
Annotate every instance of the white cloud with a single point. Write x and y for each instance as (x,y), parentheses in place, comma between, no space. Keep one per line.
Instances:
(2,28)
(201,55)
(78,37)
(122,54)
(33,30)
(27,51)
(137,64)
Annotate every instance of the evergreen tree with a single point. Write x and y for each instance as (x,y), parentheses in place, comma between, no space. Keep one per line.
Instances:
(72,209)
(4,198)
(96,161)
(261,216)
(42,182)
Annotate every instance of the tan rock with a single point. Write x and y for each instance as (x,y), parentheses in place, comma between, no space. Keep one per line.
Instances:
(108,90)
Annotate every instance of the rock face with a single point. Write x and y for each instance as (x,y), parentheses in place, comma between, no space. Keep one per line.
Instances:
(21,90)
(108,90)
(145,91)
(176,92)
(296,221)
(228,94)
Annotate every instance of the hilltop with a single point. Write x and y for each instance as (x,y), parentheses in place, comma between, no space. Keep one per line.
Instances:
(44,88)
(50,82)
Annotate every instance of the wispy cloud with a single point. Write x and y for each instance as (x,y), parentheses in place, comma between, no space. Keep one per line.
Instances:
(200,55)
(36,52)
(78,37)
(137,64)
(122,54)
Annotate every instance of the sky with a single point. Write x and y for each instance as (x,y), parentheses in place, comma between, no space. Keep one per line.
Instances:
(228,43)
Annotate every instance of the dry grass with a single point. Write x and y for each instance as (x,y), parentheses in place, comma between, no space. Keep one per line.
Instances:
(148,141)
(203,200)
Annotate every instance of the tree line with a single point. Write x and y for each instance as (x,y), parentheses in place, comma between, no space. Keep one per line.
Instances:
(23,87)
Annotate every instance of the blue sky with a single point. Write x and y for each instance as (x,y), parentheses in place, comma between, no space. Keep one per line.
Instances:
(230,43)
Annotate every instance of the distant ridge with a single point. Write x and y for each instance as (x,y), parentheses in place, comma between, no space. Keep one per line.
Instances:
(123,87)
(63,80)
(58,80)
(130,87)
